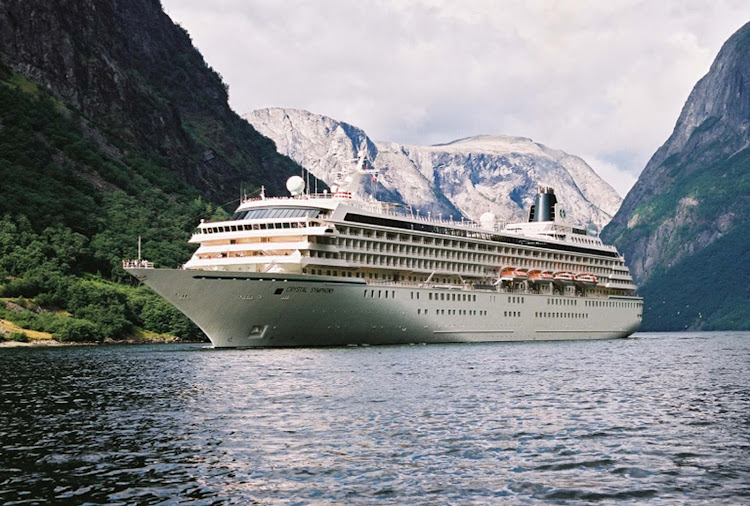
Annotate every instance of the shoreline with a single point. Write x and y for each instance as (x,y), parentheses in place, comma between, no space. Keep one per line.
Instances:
(37,339)
(51,343)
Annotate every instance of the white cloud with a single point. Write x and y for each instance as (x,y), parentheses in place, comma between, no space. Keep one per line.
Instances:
(615,175)
(604,78)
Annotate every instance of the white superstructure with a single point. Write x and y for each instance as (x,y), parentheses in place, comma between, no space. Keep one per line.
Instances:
(330,269)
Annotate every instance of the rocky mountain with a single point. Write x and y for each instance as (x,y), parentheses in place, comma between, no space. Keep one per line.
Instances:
(136,80)
(112,127)
(466,177)
(684,228)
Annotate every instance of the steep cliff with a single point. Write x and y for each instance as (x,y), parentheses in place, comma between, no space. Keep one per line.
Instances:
(135,76)
(694,194)
(467,177)
(112,127)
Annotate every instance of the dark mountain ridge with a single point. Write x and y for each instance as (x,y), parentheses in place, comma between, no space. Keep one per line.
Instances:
(693,194)
(112,127)
(128,68)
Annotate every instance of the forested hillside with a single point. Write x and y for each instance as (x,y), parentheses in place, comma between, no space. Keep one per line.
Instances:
(69,213)
(111,126)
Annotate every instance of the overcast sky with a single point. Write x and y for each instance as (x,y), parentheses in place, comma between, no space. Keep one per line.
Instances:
(604,80)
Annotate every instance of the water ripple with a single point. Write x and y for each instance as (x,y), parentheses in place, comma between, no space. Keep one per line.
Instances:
(662,417)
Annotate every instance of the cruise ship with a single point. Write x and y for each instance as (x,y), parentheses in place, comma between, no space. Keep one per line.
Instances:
(337,269)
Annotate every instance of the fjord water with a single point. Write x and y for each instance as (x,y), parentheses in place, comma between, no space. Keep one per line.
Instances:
(662,417)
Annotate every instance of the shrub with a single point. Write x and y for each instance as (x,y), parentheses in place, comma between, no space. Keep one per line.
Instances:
(103,304)
(20,337)
(76,330)
(109,320)
(50,322)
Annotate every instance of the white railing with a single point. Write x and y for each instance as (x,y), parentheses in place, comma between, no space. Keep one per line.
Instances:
(137,264)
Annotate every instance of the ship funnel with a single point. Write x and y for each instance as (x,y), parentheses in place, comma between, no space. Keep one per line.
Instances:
(543,208)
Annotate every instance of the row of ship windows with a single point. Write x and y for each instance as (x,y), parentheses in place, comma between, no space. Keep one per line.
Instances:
(544,314)
(380,294)
(268,213)
(506,255)
(506,314)
(463,297)
(586,241)
(591,263)
(472,267)
(612,303)
(375,275)
(348,274)
(410,262)
(449,244)
(455,297)
(459,297)
(248,227)
(407,263)
(562,302)
(461,312)
(619,282)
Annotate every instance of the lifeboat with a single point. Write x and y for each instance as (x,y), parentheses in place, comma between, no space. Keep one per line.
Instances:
(538,275)
(521,274)
(507,274)
(564,277)
(586,279)
(513,274)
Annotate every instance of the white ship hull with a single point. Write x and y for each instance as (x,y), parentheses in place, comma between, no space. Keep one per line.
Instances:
(284,310)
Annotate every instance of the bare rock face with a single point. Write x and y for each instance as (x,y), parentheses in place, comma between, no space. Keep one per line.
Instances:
(463,178)
(684,227)
(691,191)
(126,68)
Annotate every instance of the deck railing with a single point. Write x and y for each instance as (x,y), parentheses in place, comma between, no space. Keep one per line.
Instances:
(137,264)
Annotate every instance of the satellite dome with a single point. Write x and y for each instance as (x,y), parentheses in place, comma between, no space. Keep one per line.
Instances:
(487,220)
(295,185)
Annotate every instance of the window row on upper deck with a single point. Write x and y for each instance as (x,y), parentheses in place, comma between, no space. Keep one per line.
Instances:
(276,212)
(377,241)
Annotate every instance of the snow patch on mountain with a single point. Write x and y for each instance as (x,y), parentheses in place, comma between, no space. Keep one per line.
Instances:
(465,177)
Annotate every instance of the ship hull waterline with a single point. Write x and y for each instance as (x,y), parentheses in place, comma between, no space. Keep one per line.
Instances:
(238,310)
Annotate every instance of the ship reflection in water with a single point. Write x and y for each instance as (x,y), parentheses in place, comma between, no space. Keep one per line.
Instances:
(658,416)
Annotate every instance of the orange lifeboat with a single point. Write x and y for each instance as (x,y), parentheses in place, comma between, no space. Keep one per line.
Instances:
(538,275)
(586,279)
(564,277)
(521,274)
(507,274)
(514,274)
